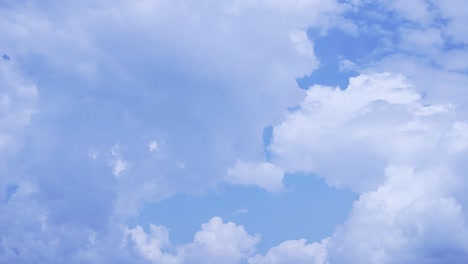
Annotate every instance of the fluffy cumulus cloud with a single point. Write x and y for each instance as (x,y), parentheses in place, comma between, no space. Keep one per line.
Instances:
(216,242)
(379,138)
(397,138)
(293,251)
(410,218)
(332,124)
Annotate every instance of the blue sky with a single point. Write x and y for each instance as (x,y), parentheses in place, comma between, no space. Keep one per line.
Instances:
(261,131)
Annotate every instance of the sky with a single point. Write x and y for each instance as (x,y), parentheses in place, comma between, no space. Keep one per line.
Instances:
(230,131)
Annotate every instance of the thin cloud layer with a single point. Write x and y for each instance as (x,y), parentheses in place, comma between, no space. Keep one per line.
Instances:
(18,102)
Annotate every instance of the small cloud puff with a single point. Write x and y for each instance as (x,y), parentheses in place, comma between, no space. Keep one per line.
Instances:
(115,161)
(153,146)
(264,175)
(241,211)
(93,154)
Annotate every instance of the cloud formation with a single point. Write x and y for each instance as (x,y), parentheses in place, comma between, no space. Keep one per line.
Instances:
(398,141)
(264,175)
(125,103)
(125,73)
(216,242)
(293,251)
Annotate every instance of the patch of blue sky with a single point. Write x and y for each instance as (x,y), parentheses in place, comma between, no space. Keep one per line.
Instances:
(10,190)
(330,49)
(308,209)
(374,38)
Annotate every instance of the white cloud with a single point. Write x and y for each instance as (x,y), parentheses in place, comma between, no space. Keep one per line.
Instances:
(180,165)
(241,211)
(455,60)
(264,175)
(379,138)
(303,45)
(417,11)
(346,127)
(119,166)
(116,162)
(153,146)
(151,245)
(454,11)
(123,71)
(216,242)
(18,103)
(226,58)
(422,41)
(455,139)
(34,236)
(219,242)
(294,251)
(397,141)
(410,218)
(347,65)
(93,154)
